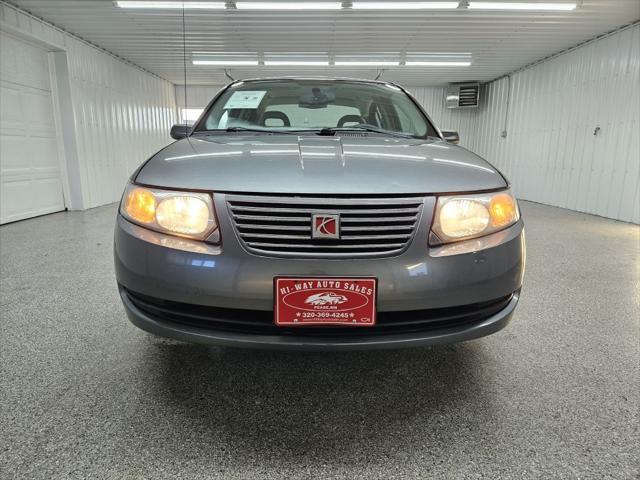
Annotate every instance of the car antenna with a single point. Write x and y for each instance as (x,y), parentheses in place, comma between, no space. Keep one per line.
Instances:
(184,66)
(380,72)
(226,74)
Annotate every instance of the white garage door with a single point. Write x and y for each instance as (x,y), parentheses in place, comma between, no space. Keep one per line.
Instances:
(30,182)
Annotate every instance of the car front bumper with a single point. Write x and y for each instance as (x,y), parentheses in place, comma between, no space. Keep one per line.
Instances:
(351,340)
(425,284)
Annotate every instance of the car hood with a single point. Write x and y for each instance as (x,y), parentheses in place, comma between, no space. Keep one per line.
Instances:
(287,163)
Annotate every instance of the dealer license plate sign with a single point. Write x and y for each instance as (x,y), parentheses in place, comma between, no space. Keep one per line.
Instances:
(325,301)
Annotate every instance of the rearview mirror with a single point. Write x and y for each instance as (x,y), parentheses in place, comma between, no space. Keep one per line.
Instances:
(451,136)
(180,130)
(318,98)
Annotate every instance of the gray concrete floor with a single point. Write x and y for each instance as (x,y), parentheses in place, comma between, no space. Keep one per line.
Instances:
(84,394)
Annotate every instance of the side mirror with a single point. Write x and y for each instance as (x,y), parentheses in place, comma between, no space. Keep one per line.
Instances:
(180,130)
(451,136)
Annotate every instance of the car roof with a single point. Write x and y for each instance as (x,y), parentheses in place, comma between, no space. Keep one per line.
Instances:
(324,78)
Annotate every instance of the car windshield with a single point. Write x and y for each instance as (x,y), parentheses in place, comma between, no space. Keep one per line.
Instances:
(298,105)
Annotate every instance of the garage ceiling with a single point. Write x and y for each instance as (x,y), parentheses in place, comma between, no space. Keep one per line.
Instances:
(498,41)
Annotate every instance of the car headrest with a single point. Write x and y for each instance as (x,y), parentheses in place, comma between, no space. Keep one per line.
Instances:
(350,119)
(275,114)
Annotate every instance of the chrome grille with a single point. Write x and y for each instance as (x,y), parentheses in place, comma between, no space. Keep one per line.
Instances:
(281,226)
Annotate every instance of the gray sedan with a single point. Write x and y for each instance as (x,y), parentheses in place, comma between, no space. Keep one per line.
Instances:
(318,214)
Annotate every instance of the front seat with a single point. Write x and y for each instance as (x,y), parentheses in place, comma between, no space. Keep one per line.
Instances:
(275,114)
(350,119)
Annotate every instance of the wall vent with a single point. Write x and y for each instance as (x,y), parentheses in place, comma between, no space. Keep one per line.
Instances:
(463,95)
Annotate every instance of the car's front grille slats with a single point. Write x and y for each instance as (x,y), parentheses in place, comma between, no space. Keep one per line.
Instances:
(348,220)
(296,228)
(275,209)
(298,200)
(281,226)
(248,236)
(270,236)
(248,218)
(323,247)
(371,228)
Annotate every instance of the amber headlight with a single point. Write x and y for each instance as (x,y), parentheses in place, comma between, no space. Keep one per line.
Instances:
(461,217)
(188,214)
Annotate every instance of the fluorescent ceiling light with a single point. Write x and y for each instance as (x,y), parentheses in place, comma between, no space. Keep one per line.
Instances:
(436,59)
(448,55)
(225,59)
(322,60)
(288,5)
(236,63)
(307,59)
(368,60)
(404,5)
(278,63)
(521,6)
(171,5)
(372,63)
(437,64)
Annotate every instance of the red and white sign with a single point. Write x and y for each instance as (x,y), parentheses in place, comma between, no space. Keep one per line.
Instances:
(325,301)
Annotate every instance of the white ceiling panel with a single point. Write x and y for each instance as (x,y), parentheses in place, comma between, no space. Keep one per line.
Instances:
(498,41)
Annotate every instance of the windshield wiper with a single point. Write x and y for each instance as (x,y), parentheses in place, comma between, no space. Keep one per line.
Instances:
(242,129)
(362,128)
(252,129)
(323,131)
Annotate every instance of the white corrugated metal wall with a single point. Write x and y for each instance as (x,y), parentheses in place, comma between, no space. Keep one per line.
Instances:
(122,114)
(551,153)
